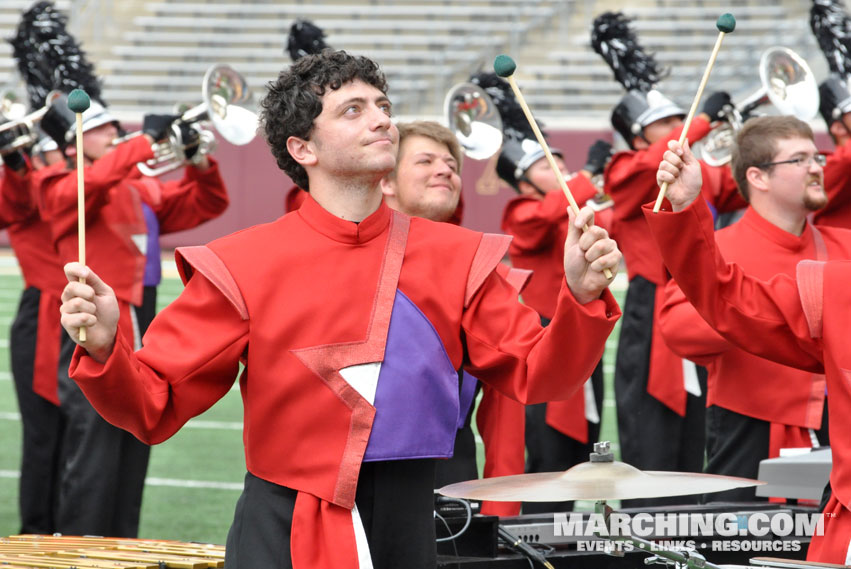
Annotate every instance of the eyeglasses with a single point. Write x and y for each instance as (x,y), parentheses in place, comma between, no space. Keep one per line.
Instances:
(806,161)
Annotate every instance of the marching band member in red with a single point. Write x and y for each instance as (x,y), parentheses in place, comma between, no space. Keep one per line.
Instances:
(748,418)
(829,22)
(34,344)
(104,472)
(800,322)
(559,434)
(352,321)
(659,395)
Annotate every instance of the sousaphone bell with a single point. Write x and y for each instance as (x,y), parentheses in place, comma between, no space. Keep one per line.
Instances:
(787,83)
(14,117)
(474,119)
(222,90)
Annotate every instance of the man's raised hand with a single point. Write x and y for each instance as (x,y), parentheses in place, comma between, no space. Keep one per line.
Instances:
(91,304)
(586,255)
(681,170)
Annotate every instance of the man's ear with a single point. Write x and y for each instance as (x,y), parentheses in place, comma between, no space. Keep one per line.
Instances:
(757,180)
(388,185)
(301,150)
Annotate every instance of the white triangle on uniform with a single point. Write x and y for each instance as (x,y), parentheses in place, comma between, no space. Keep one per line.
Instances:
(141,242)
(364,378)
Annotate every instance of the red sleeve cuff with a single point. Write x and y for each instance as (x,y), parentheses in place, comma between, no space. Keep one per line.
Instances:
(604,308)
(211,173)
(666,225)
(85,369)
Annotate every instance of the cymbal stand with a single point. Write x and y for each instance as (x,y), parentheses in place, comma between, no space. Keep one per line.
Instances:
(686,559)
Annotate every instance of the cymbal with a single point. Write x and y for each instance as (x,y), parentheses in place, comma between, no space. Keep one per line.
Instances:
(593,481)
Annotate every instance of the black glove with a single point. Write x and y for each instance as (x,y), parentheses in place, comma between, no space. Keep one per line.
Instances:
(714,105)
(157,126)
(15,160)
(191,138)
(598,156)
(59,121)
(8,136)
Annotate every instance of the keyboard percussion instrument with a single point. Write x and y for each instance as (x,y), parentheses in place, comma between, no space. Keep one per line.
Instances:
(74,552)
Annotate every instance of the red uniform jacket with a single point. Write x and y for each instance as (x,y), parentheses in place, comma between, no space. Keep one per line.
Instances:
(115,225)
(501,422)
(630,178)
(837,184)
(17,200)
(737,379)
(41,268)
(318,302)
(801,322)
(539,228)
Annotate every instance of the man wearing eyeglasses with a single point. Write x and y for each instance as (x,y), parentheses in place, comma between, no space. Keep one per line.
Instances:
(780,173)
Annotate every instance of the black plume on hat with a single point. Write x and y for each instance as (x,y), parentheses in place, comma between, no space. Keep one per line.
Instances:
(305,39)
(49,57)
(831,28)
(613,38)
(514,122)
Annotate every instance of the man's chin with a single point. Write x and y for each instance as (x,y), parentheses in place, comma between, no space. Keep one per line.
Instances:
(437,211)
(815,203)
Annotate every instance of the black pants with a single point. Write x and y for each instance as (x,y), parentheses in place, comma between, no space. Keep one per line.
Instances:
(104,467)
(548,450)
(652,436)
(735,445)
(41,421)
(395,501)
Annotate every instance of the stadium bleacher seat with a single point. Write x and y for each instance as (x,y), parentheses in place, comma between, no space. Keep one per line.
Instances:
(425,46)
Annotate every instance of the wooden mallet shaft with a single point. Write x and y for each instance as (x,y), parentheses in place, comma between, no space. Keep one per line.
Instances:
(726,24)
(78,102)
(504,66)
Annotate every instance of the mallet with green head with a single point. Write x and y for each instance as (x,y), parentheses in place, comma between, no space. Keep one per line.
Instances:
(504,66)
(78,102)
(726,24)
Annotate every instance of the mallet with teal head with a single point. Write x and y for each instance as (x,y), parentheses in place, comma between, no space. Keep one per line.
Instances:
(504,66)
(78,102)
(726,24)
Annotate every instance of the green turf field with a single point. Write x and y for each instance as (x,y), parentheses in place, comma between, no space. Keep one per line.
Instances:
(194,478)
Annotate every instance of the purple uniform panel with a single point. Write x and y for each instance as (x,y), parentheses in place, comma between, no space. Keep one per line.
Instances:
(416,401)
(153,266)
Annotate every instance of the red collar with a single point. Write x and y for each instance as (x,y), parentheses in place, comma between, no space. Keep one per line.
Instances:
(341,230)
(775,234)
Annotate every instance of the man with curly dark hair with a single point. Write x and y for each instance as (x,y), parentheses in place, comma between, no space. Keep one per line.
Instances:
(294,100)
(352,321)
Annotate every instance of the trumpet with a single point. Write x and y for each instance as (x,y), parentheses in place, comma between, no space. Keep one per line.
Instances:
(221,90)
(787,83)
(474,119)
(22,125)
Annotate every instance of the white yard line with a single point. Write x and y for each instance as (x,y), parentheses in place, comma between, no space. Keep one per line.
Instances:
(193,424)
(163,482)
